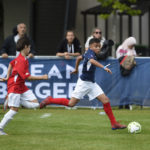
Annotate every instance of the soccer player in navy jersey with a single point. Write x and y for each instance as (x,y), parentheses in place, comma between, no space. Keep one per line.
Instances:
(18,92)
(86,84)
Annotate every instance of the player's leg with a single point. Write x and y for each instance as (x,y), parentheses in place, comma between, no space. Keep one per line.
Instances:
(97,92)
(77,94)
(73,101)
(5,106)
(30,104)
(13,103)
(107,108)
(51,100)
(28,100)
(7,117)
(59,101)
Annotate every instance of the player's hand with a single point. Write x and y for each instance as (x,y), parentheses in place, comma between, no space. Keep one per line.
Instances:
(45,77)
(74,72)
(108,70)
(30,55)
(3,79)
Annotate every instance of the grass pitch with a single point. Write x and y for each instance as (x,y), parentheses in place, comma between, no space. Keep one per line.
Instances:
(81,129)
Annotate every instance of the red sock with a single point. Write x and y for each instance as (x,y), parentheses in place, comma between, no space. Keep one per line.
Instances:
(109,113)
(59,101)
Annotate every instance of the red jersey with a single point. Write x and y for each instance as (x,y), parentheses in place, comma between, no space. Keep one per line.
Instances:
(20,71)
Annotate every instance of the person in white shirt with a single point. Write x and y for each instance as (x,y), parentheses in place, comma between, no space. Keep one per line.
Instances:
(96,33)
(127,48)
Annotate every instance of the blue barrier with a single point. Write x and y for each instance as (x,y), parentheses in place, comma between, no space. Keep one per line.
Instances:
(134,89)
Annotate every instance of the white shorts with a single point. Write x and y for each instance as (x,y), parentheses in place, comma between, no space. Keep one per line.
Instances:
(15,99)
(86,88)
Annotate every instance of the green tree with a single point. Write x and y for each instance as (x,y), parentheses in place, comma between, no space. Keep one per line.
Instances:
(120,6)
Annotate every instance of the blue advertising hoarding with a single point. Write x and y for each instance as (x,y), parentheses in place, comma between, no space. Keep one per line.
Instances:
(134,89)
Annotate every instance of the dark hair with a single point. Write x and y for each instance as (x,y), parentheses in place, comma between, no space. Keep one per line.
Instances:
(69,31)
(94,40)
(22,42)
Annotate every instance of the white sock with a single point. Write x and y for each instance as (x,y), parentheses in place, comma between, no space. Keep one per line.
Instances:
(7,117)
(29,104)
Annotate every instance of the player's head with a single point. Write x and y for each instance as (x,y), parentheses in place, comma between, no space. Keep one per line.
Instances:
(70,35)
(23,44)
(94,44)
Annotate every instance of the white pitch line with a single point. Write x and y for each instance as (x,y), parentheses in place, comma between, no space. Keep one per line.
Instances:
(46,115)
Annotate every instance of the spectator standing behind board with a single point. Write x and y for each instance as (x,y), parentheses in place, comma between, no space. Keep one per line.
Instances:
(125,54)
(96,33)
(70,46)
(126,48)
(9,46)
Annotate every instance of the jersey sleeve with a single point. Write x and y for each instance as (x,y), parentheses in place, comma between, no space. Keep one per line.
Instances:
(23,70)
(90,56)
(12,63)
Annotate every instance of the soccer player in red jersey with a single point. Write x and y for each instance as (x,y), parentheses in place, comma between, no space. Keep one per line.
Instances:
(86,84)
(18,92)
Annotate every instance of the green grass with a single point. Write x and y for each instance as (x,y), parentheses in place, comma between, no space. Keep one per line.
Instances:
(81,129)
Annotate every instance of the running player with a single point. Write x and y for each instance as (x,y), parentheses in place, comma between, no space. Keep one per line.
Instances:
(86,84)
(18,93)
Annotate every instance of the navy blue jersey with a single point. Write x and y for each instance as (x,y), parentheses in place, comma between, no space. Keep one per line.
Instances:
(88,71)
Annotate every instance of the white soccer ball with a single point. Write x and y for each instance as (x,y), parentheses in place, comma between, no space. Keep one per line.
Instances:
(134,127)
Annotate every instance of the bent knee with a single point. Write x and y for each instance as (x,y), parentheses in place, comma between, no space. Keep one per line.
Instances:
(35,101)
(71,104)
(35,105)
(103,98)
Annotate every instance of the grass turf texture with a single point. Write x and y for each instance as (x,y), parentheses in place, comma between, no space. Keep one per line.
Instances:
(81,129)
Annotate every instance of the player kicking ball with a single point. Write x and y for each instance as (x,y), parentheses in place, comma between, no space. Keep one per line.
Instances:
(18,93)
(86,84)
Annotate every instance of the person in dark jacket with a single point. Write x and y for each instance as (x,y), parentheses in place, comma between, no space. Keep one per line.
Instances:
(70,46)
(9,46)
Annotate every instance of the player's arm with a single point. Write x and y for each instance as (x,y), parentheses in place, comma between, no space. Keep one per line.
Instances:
(79,58)
(43,77)
(23,71)
(8,73)
(96,63)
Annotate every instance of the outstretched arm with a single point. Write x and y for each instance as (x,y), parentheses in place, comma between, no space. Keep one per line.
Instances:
(8,73)
(9,70)
(43,77)
(79,58)
(96,63)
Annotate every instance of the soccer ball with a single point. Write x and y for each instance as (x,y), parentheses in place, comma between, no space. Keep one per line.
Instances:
(134,127)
